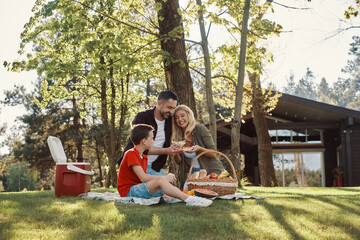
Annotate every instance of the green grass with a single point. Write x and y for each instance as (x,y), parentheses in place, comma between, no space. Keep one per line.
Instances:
(287,213)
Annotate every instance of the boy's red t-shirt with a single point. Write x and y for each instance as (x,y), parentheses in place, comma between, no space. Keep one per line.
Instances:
(127,177)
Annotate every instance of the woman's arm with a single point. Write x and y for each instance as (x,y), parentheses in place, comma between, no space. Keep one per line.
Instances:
(177,158)
(207,140)
(199,149)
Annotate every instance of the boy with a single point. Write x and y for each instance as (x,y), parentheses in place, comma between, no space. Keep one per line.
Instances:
(133,180)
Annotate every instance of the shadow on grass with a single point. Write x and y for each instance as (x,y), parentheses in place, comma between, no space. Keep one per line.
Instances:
(278,213)
(6,231)
(357,189)
(178,221)
(349,228)
(78,218)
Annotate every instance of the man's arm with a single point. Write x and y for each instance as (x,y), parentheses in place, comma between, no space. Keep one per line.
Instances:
(172,150)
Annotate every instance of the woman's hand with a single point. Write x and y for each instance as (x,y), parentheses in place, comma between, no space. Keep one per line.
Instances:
(197,148)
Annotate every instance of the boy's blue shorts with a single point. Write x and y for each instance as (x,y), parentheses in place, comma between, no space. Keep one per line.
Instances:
(151,171)
(141,191)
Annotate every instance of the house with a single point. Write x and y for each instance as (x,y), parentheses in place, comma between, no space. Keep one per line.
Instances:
(309,140)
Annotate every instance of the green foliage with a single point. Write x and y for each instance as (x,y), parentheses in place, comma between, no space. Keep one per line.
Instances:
(225,58)
(54,120)
(92,56)
(305,86)
(353,10)
(19,177)
(70,40)
(313,178)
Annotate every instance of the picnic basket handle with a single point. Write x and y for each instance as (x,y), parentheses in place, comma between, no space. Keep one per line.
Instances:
(212,151)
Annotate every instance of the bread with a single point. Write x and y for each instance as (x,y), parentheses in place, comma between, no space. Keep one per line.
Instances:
(179,143)
(203,173)
(186,149)
(195,175)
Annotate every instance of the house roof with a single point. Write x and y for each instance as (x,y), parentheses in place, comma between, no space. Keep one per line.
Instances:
(300,109)
(299,113)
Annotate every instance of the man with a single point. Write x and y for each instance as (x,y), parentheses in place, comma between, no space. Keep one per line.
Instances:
(160,119)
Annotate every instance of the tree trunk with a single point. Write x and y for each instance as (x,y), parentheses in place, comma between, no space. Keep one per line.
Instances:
(208,83)
(77,131)
(98,156)
(266,166)
(124,108)
(177,73)
(298,168)
(236,123)
(301,178)
(108,135)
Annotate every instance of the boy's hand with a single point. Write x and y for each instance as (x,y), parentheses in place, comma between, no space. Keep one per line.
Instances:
(171,178)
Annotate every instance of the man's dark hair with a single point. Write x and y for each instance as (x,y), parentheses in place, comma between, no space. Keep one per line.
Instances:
(166,95)
(139,132)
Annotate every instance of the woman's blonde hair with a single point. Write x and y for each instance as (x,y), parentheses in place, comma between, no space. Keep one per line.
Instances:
(177,132)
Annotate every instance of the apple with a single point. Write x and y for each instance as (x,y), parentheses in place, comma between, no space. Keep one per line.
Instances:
(213,176)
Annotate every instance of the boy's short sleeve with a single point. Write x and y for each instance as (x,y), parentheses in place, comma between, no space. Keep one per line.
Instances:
(132,159)
(127,176)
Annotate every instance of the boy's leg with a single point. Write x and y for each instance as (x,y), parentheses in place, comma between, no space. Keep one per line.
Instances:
(173,191)
(169,189)
(141,191)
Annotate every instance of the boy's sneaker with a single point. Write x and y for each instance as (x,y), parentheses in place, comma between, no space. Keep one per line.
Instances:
(198,201)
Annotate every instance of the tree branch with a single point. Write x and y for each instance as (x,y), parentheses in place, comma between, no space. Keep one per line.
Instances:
(227,78)
(198,72)
(340,30)
(117,20)
(285,6)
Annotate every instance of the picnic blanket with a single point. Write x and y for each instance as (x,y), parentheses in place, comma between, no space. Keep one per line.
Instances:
(114,196)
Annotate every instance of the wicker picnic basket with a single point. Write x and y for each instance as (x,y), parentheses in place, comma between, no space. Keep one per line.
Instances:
(220,186)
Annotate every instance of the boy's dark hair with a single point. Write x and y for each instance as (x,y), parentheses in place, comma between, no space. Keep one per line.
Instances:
(166,95)
(139,132)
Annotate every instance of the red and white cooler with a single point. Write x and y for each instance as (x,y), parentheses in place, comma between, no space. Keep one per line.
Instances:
(71,179)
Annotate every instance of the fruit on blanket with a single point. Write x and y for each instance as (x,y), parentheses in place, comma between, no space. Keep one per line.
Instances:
(185,191)
(205,193)
(191,192)
(213,176)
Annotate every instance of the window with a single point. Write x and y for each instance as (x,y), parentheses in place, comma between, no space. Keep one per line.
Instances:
(298,136)
(299,169)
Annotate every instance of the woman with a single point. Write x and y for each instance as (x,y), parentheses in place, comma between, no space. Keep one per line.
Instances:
(197,139)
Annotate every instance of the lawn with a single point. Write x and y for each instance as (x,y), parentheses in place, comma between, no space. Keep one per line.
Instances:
(287,213)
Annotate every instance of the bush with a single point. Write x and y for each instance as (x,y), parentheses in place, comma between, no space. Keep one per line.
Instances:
(19,176)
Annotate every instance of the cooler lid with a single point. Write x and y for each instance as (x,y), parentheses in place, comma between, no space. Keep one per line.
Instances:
(56,149)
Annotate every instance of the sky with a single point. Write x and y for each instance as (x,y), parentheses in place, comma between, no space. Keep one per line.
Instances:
(312,41)
(309,40)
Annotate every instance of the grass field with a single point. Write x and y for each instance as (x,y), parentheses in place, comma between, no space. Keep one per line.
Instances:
(287,213)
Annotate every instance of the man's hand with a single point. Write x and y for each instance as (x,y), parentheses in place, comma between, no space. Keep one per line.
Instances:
(174,150)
